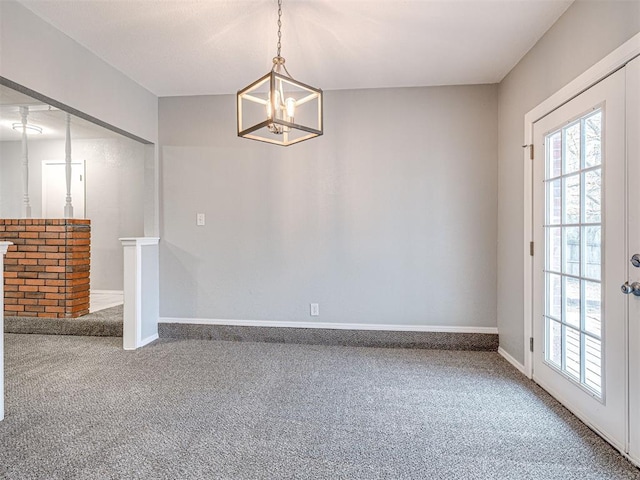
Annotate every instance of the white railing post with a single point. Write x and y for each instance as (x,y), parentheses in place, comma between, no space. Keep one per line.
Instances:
(141,292)
(3,250)
(68,207)
(26,204)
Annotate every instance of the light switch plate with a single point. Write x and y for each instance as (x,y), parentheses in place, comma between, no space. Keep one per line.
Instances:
(315,309)
(200,219)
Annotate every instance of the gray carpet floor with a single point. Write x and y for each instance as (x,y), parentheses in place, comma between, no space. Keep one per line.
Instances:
(82,408)
(327,336)
(103,323)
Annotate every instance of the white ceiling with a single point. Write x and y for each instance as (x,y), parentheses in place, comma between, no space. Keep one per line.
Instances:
(187,47)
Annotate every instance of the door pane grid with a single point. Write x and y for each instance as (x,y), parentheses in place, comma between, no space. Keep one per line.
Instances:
(565,175)
(573,306)
(568,275)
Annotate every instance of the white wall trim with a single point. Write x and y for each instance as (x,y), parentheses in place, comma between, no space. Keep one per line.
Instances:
(135,241)
(146,341)
(609,64)
(511,360)
(327,325)
(108,292)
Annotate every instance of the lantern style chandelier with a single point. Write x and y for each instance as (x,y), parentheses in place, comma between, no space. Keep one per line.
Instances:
(278,109)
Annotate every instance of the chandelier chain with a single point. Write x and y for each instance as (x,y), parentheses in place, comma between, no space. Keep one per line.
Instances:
(279,26)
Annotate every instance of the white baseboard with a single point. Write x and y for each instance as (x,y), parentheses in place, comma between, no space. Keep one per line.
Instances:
(332,326)
(149,339)
(512,360)
(107,292)
(144,342)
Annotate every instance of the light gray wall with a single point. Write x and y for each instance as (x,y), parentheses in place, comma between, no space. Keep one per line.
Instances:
(389,218)
(114,194)
(586,33)
(35,54)
(10,187)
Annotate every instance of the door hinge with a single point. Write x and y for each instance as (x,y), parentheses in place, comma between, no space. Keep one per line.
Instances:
(531,248)
(530,147)
(531,344)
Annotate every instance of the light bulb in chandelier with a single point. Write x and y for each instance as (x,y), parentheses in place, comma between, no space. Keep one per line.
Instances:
(290,104)
(284,112)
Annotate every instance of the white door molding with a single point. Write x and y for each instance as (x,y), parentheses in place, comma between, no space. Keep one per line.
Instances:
(633,201)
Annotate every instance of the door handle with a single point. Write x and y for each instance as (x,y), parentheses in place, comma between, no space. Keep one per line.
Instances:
(635,260)
(628,288)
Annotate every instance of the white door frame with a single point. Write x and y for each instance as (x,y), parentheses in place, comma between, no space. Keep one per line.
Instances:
(609,64)
(633,145)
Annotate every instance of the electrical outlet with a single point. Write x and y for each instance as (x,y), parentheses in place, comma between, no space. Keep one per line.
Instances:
(315,309)
(200,219)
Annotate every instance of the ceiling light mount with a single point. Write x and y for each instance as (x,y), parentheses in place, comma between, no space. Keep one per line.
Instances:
(29,128)
(278,109)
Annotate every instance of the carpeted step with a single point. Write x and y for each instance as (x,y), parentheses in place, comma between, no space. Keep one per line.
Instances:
(104,323)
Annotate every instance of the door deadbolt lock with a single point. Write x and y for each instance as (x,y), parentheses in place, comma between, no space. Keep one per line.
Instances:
(635,260)
(633,288)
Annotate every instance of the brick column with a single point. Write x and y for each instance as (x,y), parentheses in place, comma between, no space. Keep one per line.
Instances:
(47,268)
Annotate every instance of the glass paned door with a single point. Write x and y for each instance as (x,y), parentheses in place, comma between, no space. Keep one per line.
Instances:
(572,229)
(579,221)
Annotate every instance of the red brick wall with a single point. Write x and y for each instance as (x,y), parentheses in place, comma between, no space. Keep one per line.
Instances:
(47,269)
